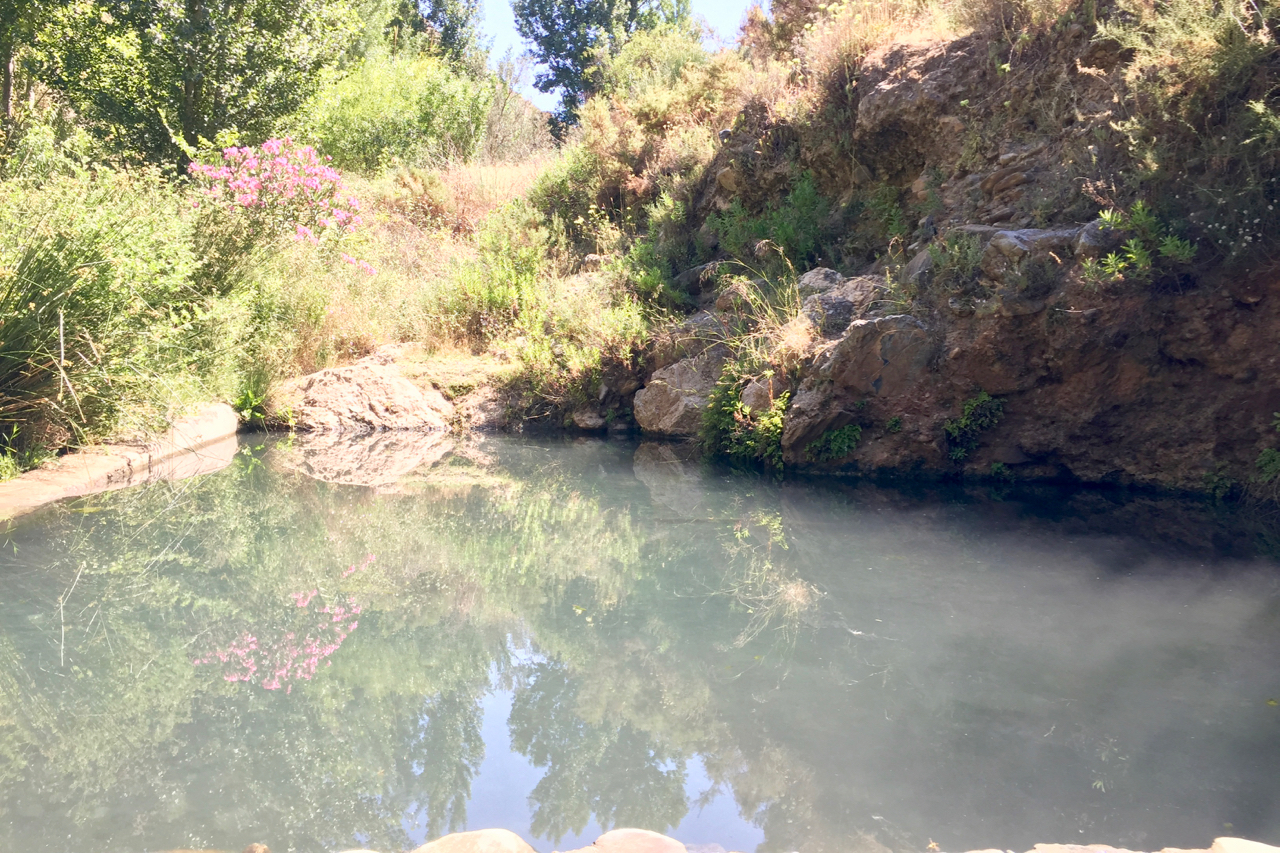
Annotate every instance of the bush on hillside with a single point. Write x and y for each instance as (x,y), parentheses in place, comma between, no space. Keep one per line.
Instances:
(1203,122)
(397,110)
(101,325)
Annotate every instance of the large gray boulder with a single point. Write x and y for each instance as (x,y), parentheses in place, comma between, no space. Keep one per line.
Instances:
(370,395)
(884,357)
(675,397)
(831,310)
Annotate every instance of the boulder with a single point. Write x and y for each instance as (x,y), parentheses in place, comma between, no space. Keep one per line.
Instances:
(833,309)
(480,841)
(589,420)
(370,395)
(884,357)
(675,397)
(1006,250)
(1095,240)
(818,280)
(759,394)
(920,269)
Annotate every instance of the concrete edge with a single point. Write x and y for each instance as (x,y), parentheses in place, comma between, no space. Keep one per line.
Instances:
(200,444)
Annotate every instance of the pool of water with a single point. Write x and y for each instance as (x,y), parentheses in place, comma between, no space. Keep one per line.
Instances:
(327,646)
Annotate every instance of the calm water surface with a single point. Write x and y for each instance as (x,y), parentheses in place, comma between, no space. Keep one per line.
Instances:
(327,646)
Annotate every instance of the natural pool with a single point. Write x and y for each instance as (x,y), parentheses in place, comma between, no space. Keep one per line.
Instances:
(562,636)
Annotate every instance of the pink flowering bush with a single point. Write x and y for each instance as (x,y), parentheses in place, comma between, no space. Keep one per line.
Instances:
(278,190)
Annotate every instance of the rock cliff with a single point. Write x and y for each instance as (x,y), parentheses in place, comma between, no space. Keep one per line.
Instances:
(1011,332)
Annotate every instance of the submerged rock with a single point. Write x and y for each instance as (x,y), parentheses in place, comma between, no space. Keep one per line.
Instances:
(633,841)
(480,841)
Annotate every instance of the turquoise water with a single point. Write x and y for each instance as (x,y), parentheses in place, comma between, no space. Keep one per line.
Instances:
(560,637)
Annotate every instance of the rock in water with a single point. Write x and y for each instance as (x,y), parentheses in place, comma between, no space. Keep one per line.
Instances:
(673,401)
(368,396)
(480,841)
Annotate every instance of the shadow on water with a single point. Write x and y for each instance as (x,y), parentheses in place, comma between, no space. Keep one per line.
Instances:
(302,649)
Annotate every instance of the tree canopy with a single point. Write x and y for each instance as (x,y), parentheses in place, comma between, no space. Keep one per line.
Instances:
(569,38)
(159,77)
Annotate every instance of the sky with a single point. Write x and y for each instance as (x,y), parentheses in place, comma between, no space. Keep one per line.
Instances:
(724,17)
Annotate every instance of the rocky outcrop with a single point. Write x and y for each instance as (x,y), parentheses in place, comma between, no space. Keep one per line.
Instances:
(834,301)
(370,395)
(673,400)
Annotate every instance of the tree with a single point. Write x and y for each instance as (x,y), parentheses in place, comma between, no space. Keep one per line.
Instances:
(452,24)
(19,20)
(570,36)
(162,77)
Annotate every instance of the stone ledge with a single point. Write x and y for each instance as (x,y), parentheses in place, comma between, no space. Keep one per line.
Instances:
(200,444)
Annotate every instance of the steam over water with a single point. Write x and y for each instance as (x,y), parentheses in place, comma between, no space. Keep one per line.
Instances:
(560,637)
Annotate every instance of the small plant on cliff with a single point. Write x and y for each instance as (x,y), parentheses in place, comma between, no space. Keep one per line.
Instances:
(977,415)
(1266,478)
(834,444)
(732,430)
(1151,251)
(955,262)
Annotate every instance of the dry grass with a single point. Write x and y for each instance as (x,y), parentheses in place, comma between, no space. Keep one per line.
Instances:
(457,198)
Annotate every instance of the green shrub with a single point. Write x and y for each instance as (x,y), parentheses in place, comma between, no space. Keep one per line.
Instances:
(100,325)
(977,415)
(796,226)
(1201,122)
(834,444)
(956,262)
(732,431)
(391,110)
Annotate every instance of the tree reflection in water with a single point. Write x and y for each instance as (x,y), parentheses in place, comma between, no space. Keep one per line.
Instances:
(860,668)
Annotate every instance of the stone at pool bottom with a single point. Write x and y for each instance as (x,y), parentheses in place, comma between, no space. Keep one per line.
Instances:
(633,841)
(480,841)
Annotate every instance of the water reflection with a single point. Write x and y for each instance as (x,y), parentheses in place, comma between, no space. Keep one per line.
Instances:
(300,650)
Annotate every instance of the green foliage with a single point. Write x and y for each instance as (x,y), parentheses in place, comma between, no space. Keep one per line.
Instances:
(1266,476)
(1200,123)
(1268,466)
(956,261)
(569,37)
(834,444)
(731,430)
(653,63)
(884,210)
(894,424)
(163,79)
(795,226)
(99,320)
(1153,250)
(977,415)
(392,110)
(450,27)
